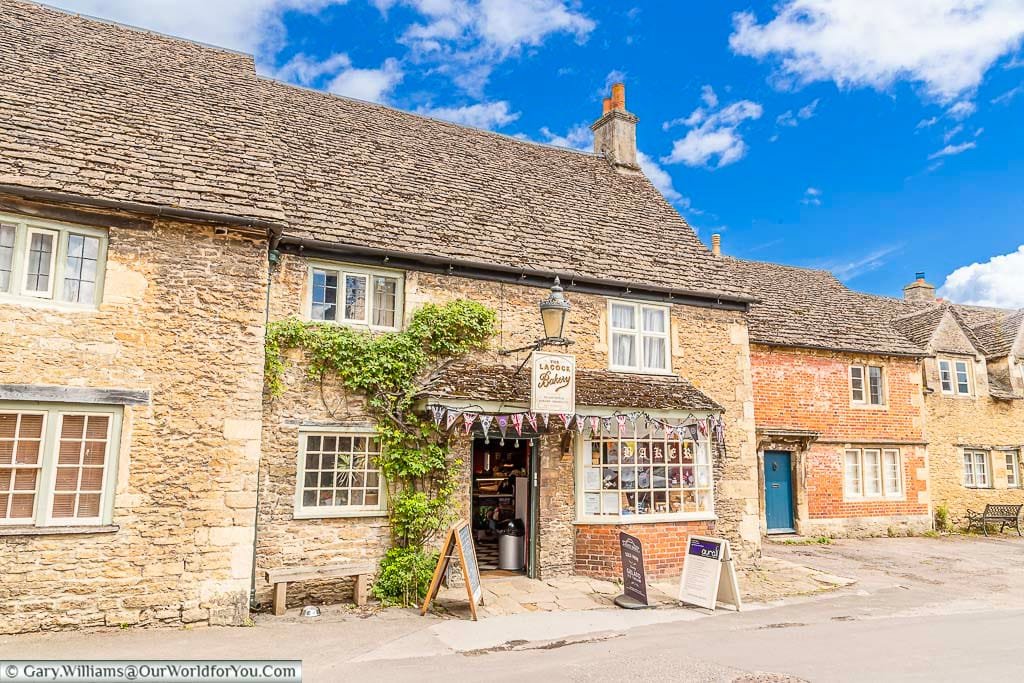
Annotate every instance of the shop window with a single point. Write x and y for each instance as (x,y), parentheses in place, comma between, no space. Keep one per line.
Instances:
(872,473)
(338,475)
(867,385)
(639,337)
(955,377)
(356,296)
(56,465)
(1012,469)
(976,475)
(41,260)
(644,475)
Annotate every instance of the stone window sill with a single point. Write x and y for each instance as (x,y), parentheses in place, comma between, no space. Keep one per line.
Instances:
(58,530)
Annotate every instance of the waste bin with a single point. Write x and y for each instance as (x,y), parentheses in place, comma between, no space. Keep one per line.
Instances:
(510,552)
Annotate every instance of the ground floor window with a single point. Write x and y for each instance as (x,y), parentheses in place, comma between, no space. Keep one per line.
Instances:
(1012,470)
(872,473)
(976,470)
(338,474)
(56,464)
(642,474)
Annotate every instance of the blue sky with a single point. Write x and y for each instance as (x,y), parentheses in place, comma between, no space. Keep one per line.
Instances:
(869,137)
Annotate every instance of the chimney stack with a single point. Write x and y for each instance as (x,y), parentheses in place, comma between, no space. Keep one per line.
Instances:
(615,131)
(716,244)
(919,291)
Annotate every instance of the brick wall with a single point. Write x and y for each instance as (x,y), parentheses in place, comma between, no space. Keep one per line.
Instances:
(664,545)
(182,316)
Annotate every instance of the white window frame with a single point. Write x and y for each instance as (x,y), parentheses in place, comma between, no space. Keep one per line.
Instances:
(638,335)
(954,378)
(18,291)
(865,390)
(326,512)
(702,449)
(46,479)
(971,458)
(1012,464)
(885,491)
(342,271)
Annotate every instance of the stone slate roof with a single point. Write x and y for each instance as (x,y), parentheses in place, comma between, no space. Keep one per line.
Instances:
(363,174)
(812,309)
(998,334)
(474,382)
(919,326)
(102,110)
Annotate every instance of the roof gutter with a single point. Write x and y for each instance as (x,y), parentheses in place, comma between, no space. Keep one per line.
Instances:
(525,276)
(157,211)
(840,349)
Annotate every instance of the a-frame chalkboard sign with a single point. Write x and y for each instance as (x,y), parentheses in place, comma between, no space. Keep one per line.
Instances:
(459,539)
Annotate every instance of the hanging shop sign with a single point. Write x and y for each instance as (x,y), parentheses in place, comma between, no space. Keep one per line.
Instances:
(634,581)
(709,576)
(553,389)
(458,543)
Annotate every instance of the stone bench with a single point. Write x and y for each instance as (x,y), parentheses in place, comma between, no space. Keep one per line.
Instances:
(280,578)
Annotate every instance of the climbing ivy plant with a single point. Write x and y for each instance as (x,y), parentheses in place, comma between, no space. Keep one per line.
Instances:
(393,370)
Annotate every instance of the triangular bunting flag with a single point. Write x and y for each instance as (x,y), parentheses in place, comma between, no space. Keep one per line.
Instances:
(566,419)
(502,424)
(438,413)
(595,425)
(517,422)
(621,419)
(467,421)
(581,423)
(544,417)
(606,425)
(532,419)
(485,423)
(453,416)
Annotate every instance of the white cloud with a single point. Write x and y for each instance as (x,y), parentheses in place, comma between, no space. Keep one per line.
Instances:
(928,123)
(952,132)
(953,150)
(1008,96)
(812,197)
(660,178)
(849,269)
(713,135)
(946,46)
(579,137)
(252,26)
(337,75)
(997,282)
(789,119)
(486,115)
(962,109)
(707,94)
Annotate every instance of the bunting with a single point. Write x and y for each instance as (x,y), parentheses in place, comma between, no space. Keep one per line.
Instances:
(453,416)
(502,424)
(532,419)
(438,413)
(517,422)
(467,421)
(566,419)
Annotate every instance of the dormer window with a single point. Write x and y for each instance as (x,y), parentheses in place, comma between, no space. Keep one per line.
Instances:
(955,377)
(355,296)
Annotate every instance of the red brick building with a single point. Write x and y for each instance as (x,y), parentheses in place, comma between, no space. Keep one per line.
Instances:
(838,405)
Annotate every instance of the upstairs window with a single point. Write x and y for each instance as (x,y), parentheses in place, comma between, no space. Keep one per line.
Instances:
(639,337)
(42,260)
(356,296)
(955,377)
(867,385)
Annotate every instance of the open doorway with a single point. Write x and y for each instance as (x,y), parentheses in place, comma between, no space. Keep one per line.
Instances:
(504,524)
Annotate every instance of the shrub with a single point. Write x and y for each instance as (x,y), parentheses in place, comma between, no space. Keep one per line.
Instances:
(405,575)
(942,518)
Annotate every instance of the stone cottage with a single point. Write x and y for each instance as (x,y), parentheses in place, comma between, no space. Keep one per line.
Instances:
(842,447)
(134,215)
(973,382)
(390,210)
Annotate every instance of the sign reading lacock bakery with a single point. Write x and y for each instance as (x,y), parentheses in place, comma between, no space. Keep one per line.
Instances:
(554,383)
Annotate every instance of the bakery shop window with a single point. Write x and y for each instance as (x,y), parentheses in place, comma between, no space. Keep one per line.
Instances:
(644,475)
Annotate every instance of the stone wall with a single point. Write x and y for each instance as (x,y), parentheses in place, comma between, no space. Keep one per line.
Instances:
(804,389)
(709,347)
(183,317)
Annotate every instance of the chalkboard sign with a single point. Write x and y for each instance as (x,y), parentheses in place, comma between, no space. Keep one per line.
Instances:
(708,574)
(458,540)
(634,583)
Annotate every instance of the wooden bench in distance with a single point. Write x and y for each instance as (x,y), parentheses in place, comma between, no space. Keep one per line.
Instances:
(280,578)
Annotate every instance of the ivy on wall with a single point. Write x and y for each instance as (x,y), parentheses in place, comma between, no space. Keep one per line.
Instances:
(393,370)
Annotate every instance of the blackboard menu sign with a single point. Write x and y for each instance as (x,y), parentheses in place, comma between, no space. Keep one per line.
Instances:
(634,582)
(469,564)
(458,542)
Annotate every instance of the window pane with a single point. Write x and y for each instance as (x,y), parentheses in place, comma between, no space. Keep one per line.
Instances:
(852,473)
(875,386)
(623,317)
(893,475)
(82,455)
(80,269)
(654,353)
(857,383)
(962,384)
(945,376)
(342,475)
(968,470)
(624,350)
(6,256)
(385,300)
(981,470)
(355,297)
(325,295)
(654,319)
(872,473)
(1012,476)
(40,251)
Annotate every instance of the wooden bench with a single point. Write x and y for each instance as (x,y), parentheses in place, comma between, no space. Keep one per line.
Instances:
(1004,515)
(280,578)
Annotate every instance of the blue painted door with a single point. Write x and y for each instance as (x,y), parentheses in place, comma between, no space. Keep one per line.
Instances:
(778,491)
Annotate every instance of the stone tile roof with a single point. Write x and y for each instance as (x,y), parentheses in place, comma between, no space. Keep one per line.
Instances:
(102,110)
(364,174)
(998,335)
(919,326)
(811,308)
(474,382)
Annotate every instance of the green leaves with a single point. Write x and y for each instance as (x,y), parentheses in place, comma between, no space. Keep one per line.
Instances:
(415,459)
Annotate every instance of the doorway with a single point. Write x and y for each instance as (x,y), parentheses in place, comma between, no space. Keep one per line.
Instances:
(503,505)
(778,492)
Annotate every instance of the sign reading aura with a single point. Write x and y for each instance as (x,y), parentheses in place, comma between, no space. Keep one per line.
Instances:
(554,383)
